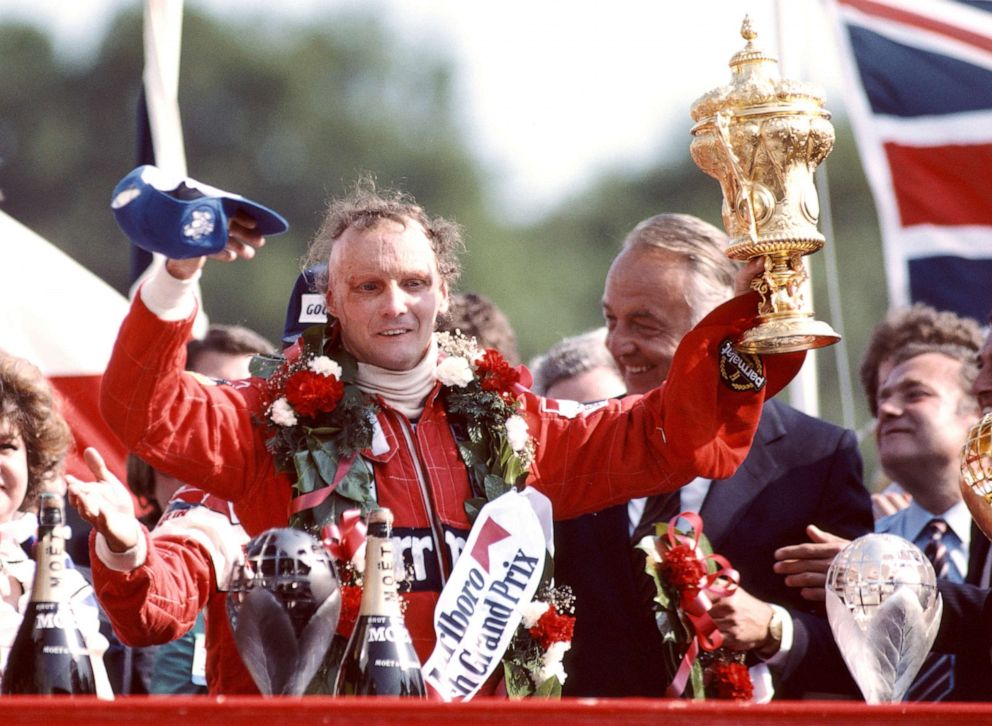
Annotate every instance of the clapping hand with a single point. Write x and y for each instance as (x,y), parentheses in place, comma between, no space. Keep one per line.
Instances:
(105,503)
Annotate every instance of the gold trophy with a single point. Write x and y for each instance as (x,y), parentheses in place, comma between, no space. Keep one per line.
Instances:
(976,474)
(762,138)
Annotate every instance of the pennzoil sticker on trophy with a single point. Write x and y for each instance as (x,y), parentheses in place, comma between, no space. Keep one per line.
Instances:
(478,610)
(740,371)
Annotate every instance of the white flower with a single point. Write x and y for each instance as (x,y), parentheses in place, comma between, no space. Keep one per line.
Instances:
(282,413)
(454,371)
(532,612)
(458,344)
(324,366)
(516,433)
(551,663)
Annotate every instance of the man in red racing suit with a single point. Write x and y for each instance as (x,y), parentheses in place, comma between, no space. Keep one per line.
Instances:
(585,460)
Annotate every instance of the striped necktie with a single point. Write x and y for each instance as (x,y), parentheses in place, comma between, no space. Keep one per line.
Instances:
(935,681)
(936,550)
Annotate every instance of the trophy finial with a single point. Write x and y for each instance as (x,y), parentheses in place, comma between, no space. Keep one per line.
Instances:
(751,60)
(747,32)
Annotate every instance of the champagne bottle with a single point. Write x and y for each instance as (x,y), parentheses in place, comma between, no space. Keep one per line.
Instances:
(380,659)
(48,655)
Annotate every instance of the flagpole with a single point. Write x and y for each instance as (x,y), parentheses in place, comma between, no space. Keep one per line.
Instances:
(163,27)
(162,36)
(803,389)
(844,378)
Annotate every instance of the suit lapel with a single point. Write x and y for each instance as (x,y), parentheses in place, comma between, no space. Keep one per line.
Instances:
(729,499)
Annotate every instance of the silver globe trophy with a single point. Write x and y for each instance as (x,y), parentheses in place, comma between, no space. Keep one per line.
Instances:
(284,604)
(884,611)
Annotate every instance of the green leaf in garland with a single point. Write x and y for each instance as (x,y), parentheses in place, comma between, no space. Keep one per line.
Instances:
(495,486)
(356,485)
(518,682)
(472,453)
(307,477)
(646,545)
(696,681)
(323,432)
(473,507)
(349,366)
(352,396)
(551,688)
(325,455)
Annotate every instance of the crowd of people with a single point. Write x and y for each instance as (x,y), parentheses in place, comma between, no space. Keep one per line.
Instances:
(627,426)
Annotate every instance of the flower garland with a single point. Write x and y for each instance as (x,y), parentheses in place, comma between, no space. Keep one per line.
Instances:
(320,422)
(686,573)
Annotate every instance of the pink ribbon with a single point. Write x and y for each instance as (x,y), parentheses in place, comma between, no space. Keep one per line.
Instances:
(344,540)
(721,583)
(312,499)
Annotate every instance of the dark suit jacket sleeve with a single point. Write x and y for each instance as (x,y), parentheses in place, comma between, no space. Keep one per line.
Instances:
(814,663)
(966,624)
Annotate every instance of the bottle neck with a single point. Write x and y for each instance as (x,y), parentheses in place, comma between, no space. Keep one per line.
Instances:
(379,592)
(50,566)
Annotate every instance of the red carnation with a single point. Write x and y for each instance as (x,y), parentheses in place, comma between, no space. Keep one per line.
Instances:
(682,570)
(496,375)
(309,392)
(351,599)
(729,679)
(552,627)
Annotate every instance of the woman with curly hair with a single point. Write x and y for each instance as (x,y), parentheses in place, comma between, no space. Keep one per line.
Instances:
(34,440)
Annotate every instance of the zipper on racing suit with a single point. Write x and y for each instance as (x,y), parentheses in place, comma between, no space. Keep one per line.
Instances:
(407,428)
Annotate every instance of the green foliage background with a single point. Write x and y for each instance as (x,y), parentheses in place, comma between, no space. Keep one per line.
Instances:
(293,115)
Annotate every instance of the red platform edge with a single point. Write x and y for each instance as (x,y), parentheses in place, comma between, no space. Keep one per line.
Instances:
(285,711)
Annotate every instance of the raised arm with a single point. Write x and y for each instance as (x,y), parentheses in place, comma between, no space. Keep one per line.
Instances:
(700,422)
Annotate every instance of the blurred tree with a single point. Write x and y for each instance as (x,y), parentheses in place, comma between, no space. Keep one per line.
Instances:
(290,113)
(287,119)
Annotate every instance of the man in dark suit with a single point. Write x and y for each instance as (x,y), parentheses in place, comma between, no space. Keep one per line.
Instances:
(671,271)
(926,391)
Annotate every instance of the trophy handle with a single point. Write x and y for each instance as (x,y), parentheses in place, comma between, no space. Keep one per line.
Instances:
(722,123)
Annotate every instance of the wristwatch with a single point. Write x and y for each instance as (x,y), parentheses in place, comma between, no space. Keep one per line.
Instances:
(774,640)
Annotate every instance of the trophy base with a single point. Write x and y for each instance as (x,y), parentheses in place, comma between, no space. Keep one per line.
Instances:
(786,334)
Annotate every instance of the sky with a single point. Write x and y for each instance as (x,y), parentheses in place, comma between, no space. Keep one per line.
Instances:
(553,92)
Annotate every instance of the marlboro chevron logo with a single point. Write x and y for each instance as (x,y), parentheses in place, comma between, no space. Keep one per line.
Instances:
(478,611)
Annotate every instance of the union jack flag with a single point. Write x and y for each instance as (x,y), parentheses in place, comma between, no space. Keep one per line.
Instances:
(919,77)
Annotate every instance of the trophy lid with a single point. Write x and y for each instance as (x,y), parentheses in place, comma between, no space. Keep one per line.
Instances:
(756,88)
(751,58)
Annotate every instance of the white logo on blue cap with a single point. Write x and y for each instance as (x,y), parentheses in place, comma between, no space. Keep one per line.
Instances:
(201,225)
(124,197)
